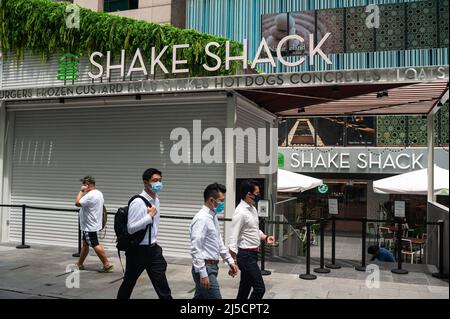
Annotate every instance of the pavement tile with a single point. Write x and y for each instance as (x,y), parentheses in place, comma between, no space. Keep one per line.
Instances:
(40,273)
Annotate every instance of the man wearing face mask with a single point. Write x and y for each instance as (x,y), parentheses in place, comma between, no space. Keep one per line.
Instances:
(207,246)
(148,255)
(245,240)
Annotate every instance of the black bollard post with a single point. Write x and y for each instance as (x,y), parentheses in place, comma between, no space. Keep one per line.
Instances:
(399,269)
(441,274)
(322,269)
(79,240)
(378,235)
(333,245)
(23,246)
(308,275)
(264,272)
(363,245)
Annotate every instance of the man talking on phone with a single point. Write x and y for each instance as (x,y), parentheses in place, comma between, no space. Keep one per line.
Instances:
(91,201)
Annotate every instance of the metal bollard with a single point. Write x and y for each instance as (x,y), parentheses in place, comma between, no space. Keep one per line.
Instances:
(308,275)
(333,245)
(264,272)
(322,269)
(441,274)
(399,269)
(363,244)
(23,246)
(79,240)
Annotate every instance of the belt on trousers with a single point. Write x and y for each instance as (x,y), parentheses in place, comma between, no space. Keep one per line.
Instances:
(258,250)
(211,262)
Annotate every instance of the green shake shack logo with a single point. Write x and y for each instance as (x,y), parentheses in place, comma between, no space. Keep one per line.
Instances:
(67,67)
(281,160)
(323,189)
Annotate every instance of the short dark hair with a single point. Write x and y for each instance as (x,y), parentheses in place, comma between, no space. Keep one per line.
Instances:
(90,180)
(149,173)
(248,186)
(372,250)
(213,190)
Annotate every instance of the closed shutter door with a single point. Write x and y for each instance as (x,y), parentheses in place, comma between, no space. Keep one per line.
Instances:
(53,149)
(248,117)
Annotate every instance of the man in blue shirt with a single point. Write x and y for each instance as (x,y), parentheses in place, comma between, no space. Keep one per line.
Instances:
(380,253)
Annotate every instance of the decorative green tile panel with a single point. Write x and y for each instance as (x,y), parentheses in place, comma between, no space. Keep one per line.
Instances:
(411,130)
(331,20)
(443,23)
(443,127)
(391,34)
(391,130)
(359,37)
(422,30)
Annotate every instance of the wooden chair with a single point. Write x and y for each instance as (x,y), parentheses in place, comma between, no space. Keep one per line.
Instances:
(371,232)
(407,249)
(386,236)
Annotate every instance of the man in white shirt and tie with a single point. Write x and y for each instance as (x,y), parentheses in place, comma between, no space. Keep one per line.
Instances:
(207,246)
(148,255)
(245,240)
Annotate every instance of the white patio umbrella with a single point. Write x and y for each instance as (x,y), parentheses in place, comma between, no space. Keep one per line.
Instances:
(289,182)
(414,183)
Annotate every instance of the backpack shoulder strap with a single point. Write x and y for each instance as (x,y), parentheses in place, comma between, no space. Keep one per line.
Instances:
(147,203)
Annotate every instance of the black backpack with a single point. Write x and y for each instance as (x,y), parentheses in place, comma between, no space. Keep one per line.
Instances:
(126,240)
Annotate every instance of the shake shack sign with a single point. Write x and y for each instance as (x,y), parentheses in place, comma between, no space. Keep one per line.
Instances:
(179,65)
(83,86)
(358,160)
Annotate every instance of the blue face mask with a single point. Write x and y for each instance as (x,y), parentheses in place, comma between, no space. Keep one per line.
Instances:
(220,207)
(156,187)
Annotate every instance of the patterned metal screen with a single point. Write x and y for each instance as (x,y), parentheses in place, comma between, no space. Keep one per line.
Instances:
(411,130)
(403,26)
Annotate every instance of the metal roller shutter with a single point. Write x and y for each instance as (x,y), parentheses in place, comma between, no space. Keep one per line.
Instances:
(249,116)
(54,148)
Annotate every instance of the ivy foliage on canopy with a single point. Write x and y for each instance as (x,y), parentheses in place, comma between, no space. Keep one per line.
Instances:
(39,26)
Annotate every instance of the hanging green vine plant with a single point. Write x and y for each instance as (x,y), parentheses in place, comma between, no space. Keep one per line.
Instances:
(39,26)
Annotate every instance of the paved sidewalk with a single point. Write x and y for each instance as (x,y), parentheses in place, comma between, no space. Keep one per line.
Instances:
(40,272)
